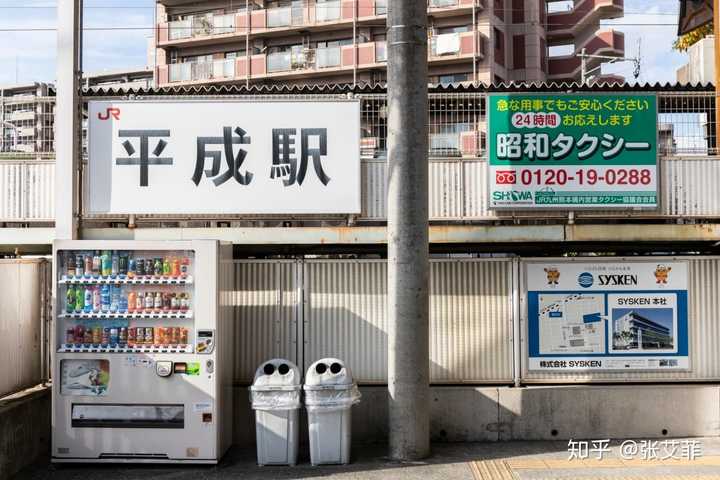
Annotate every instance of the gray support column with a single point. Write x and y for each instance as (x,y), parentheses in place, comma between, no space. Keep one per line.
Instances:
(408,268)
(68,124)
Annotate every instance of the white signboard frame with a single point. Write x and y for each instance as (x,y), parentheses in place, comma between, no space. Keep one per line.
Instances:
(186,169)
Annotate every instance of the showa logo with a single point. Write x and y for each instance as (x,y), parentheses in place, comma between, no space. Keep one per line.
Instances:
(553,276)
(662,274)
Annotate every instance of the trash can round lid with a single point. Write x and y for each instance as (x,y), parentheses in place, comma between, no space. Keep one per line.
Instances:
(277,372)
(328,371)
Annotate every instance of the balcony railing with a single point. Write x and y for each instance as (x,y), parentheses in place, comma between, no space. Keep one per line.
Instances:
(328,57)
(199,71)
(442,3)
(201,26)
(445,44)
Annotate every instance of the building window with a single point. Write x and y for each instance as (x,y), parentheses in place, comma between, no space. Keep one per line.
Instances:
(518,10)
(518,51)
(453,78)
(499,9)
(499,40)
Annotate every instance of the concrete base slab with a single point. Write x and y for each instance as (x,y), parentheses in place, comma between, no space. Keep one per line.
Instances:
(475,414)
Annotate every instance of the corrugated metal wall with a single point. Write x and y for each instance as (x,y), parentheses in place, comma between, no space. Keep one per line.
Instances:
(458,190)
(21,323)
(470,318)
(265,313)
(703,330)
(27,190)
(342,307)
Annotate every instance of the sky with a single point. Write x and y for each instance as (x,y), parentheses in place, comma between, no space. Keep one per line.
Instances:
(28,53)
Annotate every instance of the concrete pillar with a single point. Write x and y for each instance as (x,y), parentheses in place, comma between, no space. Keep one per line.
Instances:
(68,125)
(408,268)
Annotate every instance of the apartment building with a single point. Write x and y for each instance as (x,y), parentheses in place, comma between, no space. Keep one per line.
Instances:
(344,41)
(27,118)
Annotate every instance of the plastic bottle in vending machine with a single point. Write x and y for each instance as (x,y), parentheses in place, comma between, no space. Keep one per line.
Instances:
(106,263)
(132,267)
(131,301)
(149,301)
(69,264)
(140,267)
(140,302)
(97,300)
(166,302)
(88,259)
(115,265)
(123,264)
(173,302)
(114,336)
(105,298)
(96,264)
(79,265)
(123,303)
(79,299)
(70,299)
(167,267)
(158,267)
(157,303)
(88,300)
(175,267)
(185,267)
(114,298)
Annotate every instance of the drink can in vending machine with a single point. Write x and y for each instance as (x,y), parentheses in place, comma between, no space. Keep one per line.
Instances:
(105,336)
(88,336)
(140,267)
(70,336)
(140,335)
(131,336)
(114,336)
(79,334)
(149,335)
(159,333)
(97,335)
(123,335)
(175,338)
(183,336)
(184,267)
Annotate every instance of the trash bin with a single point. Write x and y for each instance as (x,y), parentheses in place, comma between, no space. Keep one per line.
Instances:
(275,397)
(329,395)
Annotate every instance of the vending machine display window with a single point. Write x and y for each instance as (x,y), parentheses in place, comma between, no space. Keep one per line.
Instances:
(124,301)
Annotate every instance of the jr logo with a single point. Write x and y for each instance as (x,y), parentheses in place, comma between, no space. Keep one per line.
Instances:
(110,112)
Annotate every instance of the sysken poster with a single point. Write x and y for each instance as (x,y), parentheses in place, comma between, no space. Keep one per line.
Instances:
(619,315)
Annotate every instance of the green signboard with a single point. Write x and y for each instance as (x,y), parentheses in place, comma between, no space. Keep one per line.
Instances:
(572,151)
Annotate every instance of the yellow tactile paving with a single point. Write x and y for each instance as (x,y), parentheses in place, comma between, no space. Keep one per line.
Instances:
(491,470)
(560,463)
(503,469)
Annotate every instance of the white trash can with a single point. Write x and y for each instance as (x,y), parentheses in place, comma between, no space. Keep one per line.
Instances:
(275,397)
(330,394)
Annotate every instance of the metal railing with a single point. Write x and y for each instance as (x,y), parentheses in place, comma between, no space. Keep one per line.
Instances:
(199,71)
(687,147)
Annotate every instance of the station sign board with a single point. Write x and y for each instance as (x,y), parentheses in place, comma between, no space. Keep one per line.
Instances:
(572,151)
(605,316)
(223,157)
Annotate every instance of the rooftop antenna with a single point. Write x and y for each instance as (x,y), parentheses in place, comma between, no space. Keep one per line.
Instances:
(585,73)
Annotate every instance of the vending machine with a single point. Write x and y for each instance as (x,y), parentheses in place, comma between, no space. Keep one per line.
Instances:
(142,361)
